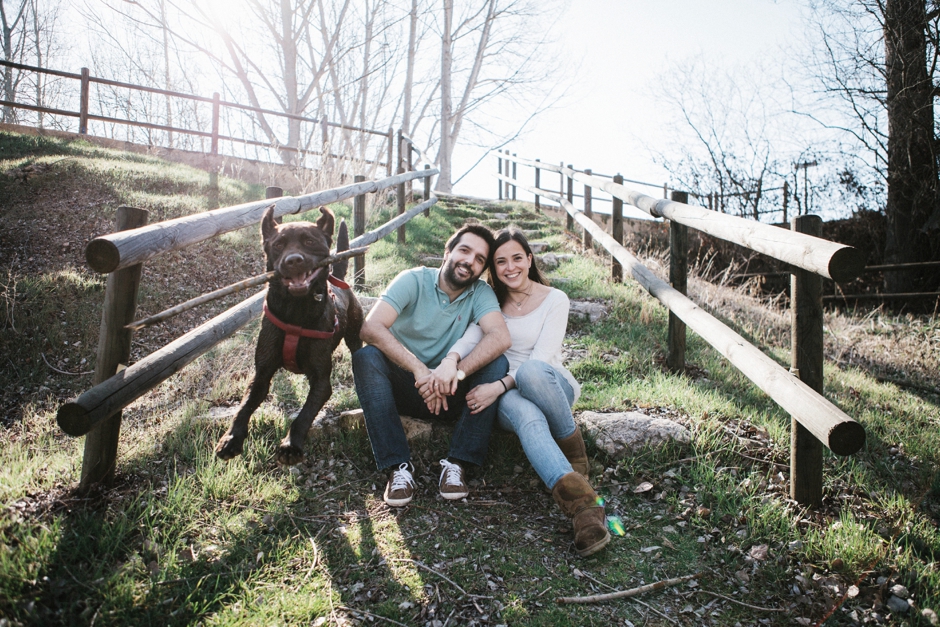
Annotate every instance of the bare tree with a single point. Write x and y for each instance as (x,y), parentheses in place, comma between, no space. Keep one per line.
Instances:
(878,59)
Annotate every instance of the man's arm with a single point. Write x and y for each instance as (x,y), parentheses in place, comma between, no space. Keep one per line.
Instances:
(375,331)
(495,342)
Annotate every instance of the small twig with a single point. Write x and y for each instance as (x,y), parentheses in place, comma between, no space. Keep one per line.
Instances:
(74,374)
(444,577)
(753,607)
(765,461)
(620,594)
(354,610)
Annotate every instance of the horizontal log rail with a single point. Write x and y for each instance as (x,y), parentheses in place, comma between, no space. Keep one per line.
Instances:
(836,298)
(80,416)
(119,250)
(828,259)
(829,424)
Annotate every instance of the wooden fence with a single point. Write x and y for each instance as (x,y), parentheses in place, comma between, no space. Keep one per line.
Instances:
(815,421)
(84,115)
(96,413)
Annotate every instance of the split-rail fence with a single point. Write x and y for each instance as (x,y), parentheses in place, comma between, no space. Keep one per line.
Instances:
(815,421)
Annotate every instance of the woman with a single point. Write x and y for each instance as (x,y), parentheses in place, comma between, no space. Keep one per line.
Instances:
(535,398)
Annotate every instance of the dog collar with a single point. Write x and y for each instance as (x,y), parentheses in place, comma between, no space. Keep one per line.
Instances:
(292,335)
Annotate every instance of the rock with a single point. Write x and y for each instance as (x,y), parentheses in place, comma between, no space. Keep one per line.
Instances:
(549,260)
(900,591)
(501,216)
(930,616)
(414,429)
(898,605)
(222,413)
(538,247)
(624,433)
(587,309)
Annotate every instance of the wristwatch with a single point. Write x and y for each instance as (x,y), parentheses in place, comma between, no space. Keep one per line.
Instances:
(461,375)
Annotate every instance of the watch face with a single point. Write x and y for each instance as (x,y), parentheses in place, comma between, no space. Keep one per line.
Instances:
(460,375)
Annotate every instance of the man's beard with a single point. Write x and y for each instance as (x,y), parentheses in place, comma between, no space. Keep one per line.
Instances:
(451,277)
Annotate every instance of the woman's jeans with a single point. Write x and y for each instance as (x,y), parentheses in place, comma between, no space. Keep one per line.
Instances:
(538,410)
(385,391)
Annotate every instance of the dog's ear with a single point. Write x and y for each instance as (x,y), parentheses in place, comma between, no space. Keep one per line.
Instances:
(268,225)
(325,223)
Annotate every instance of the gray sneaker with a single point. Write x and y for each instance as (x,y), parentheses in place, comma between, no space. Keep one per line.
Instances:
(452,484)
(401,486)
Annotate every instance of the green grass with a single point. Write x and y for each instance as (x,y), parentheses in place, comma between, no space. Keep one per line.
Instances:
(183,538)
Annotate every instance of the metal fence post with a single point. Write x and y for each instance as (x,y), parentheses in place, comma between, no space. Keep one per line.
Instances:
(616,230)
(114,350)
(359,227)
(587,240)
(537,183)
(678,277)
(806,452)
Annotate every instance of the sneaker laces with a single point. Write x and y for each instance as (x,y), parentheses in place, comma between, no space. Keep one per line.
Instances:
(450,473)
(402,478)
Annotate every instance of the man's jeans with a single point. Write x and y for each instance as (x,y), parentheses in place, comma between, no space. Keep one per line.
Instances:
(538,410)
(385,391)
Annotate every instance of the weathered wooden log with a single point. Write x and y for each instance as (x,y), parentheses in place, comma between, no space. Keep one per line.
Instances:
(829,259)
(119,250)
(80,416)
(828,423)
(234,288)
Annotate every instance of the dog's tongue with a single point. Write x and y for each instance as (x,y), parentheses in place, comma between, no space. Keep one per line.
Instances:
(300,285)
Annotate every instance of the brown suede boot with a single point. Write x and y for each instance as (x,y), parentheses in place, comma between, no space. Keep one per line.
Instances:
(578,501)
(575,452)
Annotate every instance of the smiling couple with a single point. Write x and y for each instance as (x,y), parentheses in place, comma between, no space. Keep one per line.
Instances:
(436,342)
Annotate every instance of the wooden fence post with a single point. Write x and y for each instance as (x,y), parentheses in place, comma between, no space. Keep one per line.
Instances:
(499,169)
(427,191)
(561,184)
(272,191)
(508,168)
(678,277)
(83,105)
(806,452)
(616,230)
(411,167)
(538,209)
(569,224)
(214,147)
(359,227)
(514,177)
(400,196)
(391,149)
(114,350)
(786,199)
(587,240)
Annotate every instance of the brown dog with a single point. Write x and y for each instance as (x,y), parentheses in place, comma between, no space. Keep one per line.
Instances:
(305,319)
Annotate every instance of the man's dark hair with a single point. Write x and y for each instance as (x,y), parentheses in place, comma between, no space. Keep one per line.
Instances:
(480,231)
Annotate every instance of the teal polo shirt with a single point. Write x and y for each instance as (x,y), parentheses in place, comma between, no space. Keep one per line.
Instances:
(428,324)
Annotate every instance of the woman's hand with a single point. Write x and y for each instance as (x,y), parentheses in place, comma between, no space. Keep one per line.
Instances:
(482,396)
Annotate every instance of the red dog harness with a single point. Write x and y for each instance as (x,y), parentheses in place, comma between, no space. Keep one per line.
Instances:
(293,333)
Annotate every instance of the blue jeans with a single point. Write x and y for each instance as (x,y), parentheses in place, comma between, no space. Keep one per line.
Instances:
(538,410)
(385,391)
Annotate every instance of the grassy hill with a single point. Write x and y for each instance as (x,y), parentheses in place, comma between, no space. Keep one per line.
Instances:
(182,538)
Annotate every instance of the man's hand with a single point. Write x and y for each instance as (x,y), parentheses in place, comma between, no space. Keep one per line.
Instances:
(433,398)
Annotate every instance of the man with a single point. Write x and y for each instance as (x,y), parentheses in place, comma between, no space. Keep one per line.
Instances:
(421,314)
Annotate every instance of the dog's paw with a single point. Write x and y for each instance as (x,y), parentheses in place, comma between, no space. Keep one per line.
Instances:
(229,446)
(288,455)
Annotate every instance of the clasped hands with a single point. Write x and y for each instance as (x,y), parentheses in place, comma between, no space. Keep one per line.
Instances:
(436,385)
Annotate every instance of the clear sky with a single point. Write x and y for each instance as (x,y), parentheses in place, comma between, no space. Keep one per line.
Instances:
(611,118)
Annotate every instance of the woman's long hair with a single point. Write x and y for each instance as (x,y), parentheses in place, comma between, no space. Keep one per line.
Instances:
(503,236)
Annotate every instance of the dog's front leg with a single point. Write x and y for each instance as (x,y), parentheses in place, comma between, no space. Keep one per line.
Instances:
(267,363)
(291,450)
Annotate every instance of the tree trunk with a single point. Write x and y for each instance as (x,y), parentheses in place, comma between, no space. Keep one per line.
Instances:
(912,169)
(447,51)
